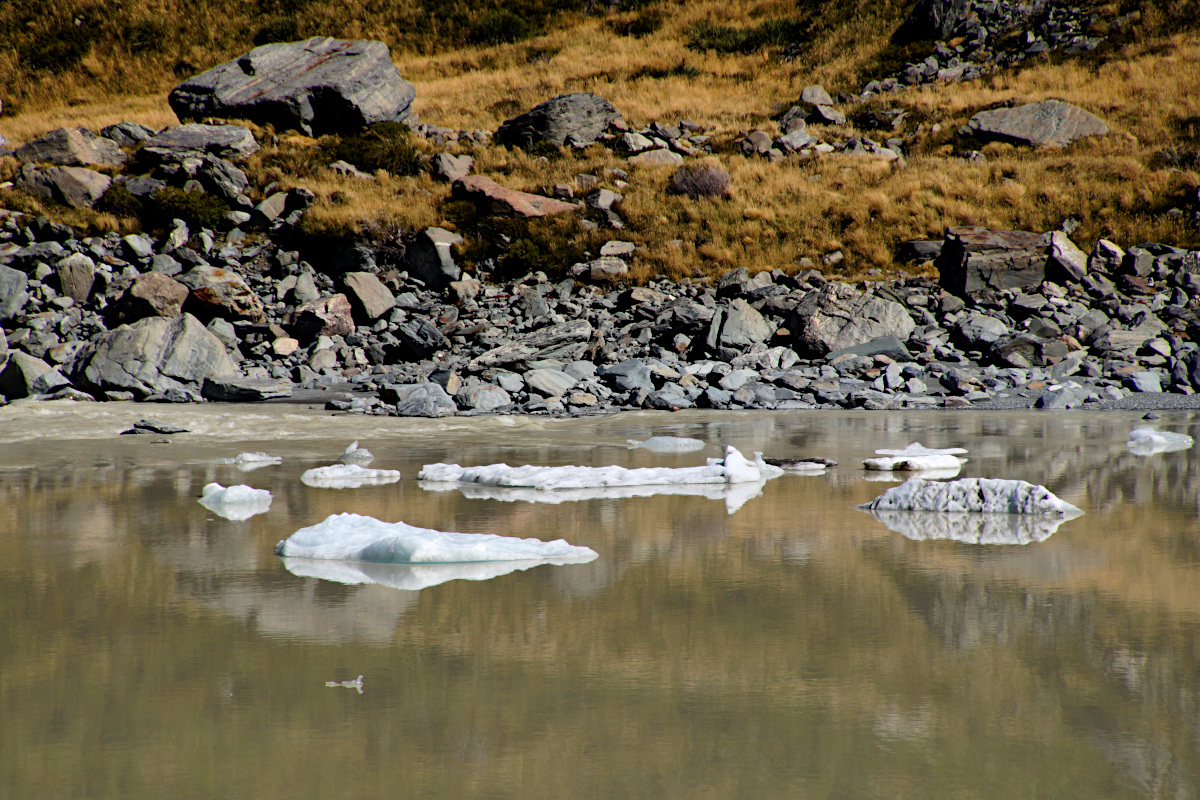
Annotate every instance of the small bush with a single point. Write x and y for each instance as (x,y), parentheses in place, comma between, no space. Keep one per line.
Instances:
(699,181)
(197,209)
(384,145)
(643,24)
(498,27)
(146,36)
(58,49)
(724,39)
(120,202)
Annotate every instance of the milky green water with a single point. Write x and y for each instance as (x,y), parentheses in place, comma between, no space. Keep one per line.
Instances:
(795,647)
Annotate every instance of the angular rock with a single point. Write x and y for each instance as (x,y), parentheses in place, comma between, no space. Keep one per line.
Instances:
(448,168)
(660,157)
(20,375)
(195,141)
(1067,262)
(77,187)
(222,178)
(606,268)
(496,200)
(317,86)
(14,293)
(738,325)
(837,316)
(153,356)
(329,316)
(222,292)
(549,382)
(576,119)
(564,342)
(978,331)
(1050,123)
(888,346)
(420,400)
(485,397)
(368,294)
(419,339)
(240,389)
(815,95)
(628,376)
(71,147)
(975,259)
(152,295)
(431,258)
(127,134)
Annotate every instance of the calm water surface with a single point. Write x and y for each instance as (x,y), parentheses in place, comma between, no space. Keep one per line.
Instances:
(779,645)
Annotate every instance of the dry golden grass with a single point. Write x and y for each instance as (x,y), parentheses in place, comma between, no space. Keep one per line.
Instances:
(777,214)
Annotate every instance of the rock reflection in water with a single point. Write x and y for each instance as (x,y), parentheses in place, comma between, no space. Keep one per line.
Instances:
(409,577)
(969,528)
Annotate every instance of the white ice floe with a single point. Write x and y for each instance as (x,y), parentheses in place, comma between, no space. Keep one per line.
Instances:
(347,476)
(248,462)
(734,495)
(973,495)
(924,474)
(669,444)
(357,455)
(970,528)
(351,537)
(917,458)
(412,577)
(734,468)
(354,684)
(1149,441)
(235,502)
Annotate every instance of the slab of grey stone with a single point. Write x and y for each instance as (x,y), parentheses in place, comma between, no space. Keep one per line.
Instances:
(368,294)
(317,86)
(449,168)
(483,397)
(76,274)
(77,187)
(837,316)
(888,346)
(423,400)
(14,293)
(549,382)
(578,118)
(71,147)
(20,375)
(1050,123)
(975,259)
(738,325)
(240,389)
(195,141)
(420,339)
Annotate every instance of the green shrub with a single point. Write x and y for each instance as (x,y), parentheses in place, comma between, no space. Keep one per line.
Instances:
(384,145)
(58,49)
(197,209)
(120,202)
(498,27)
(699,181)
(724,39)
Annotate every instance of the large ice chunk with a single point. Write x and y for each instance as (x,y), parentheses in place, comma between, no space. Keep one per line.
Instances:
(970,528)
(351,537)
(669,444)
(973,495)
(1148,441)
(235,502)
(413,577)
(917,457)
(734,468)
(347,476)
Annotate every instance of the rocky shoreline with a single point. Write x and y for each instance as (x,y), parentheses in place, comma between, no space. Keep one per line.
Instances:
(1017,320)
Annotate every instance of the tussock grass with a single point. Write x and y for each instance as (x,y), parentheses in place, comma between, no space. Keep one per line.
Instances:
(1117,187)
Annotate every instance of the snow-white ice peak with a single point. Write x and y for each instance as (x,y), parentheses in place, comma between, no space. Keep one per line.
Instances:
(351,537)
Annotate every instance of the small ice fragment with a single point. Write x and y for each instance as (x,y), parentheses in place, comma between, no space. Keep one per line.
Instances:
(734,468)
(918,449)
(248,462)
(347,476)
(669,444)
(354,684)
(973,495)
(351,537)
(916,458)
(357,455)
(235,503)
(1149,441)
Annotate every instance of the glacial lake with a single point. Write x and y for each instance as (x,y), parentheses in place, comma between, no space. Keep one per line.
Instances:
(773,644)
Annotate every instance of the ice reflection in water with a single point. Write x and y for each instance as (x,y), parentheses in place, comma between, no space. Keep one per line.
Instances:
(969,528)
(410,577)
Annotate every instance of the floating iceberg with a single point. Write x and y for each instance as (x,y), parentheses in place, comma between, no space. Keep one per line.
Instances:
(354,684)
(734,468)
(413,577)
(1148,441)
(973,495)
(915,458)
(669,444)
(357,455)
(248,462)
(806,466)
(735,495)
(351,537)
(347,476)
(235,503)
(970,528)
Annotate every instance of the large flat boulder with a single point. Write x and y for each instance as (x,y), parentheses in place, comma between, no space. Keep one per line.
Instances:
(838,316)
(975,259)
(77,187)
(1050,123)
(498,201)
(71,147)
(317,86)
(154,356)
(196,141)
(368,295)
(222,292)
(152,295)
(576,119)
(326,316)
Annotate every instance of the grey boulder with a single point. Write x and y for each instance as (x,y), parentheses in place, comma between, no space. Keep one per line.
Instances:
(431,259)
(14,293)
(71,147)
(317,86)
(24,375)
(837,316)
(1051,123)
(368,295)
(577,119)
(421,400)
(196,141)
(483,397)
(155,355)
(738,325)
(975,259)
(77,187)
(240,389)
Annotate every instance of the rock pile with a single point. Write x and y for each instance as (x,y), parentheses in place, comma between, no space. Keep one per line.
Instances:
(1018,319)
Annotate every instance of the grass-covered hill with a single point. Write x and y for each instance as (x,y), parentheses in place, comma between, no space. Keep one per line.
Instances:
(730,67)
